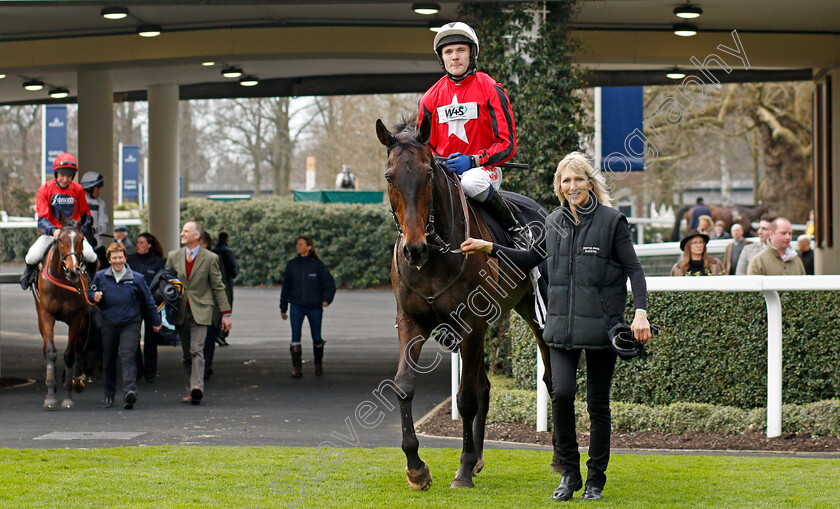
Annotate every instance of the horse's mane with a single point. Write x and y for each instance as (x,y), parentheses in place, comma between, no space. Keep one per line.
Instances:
(405,131)
(69,222)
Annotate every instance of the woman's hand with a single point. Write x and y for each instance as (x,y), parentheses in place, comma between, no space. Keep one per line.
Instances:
(157,328)
(97,296)
(470,245)
(641,327)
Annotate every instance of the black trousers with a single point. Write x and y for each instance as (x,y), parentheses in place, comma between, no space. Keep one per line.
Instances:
(123,338)
(600,365)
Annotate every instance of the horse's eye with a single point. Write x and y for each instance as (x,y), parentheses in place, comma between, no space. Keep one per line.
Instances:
(390,179)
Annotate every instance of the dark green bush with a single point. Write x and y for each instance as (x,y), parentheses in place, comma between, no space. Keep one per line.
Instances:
(354,241)
(15,242)
(714,350)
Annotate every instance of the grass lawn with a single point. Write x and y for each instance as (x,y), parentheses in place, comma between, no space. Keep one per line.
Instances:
(253,477)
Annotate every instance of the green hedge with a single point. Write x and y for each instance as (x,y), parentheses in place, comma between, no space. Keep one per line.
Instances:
(822,418)
(15,242)
(354,241)
(714,350)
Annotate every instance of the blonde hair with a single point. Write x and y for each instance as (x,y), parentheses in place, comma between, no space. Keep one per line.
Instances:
(579,163)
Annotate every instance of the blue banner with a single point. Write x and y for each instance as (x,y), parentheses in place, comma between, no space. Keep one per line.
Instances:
(53,136)
(623,143)
(130,172)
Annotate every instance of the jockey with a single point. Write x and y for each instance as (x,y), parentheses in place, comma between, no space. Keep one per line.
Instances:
(58,196)
(472,122)
(92,183)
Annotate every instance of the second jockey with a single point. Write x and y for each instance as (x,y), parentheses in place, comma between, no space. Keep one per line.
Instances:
(60,196)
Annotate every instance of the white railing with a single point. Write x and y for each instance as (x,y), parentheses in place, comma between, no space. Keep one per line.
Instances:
(769,286)
(31,223)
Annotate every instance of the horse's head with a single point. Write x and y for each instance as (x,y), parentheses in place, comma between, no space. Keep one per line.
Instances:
(410,175)
(70,243)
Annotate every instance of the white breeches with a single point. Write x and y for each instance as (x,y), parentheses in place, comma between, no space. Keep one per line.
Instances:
(477,181)
(39,249)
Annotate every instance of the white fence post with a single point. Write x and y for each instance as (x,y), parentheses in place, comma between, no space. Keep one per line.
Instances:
(455,370)
(774,363)
(542,395)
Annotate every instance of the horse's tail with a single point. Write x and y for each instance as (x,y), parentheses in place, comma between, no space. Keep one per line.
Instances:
(675,235)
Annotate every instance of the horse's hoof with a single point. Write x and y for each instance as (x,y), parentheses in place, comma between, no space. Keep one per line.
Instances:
(478,467)
(78,384)
(462,483)
(51,403)
(67,403)
(419,480)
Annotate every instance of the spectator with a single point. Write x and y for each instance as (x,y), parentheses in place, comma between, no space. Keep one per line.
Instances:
(706,226)
(215,327)
(307,289)
(121,295)
(228,260)
(147,259)
(696,261)
(733,250)
(92,183)
(700,209)
(596,285)
(121,236)
(720,231)
(779,259)
(198,270)
(809,226)
(806,253)
(749,252)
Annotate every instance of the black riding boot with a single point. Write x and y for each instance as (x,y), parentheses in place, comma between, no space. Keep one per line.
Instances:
(27,277)
(297,361)
(319,357)
(497,206)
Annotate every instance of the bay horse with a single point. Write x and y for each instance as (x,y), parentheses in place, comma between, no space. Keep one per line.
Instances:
(739,214)
(59,295)
(443,294)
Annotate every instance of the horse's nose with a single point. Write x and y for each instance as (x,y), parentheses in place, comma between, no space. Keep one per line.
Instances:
(416,253)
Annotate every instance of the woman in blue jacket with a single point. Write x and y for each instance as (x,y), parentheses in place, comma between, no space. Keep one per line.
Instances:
(309,288)
(121,294)
(147,259)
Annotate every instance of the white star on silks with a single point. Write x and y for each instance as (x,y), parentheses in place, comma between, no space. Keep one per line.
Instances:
(456,127)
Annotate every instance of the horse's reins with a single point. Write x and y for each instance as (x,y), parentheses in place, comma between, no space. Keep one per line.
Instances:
(63,283)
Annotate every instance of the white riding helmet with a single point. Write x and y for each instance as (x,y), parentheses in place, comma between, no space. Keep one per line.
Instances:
(91,179)
(455,32)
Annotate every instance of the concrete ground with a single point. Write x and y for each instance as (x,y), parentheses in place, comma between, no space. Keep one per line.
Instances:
(250,400)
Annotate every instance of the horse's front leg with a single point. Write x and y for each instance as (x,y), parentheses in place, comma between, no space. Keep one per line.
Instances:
(411,343)
(480,422)
(70,354)
(473,393)
(46,324)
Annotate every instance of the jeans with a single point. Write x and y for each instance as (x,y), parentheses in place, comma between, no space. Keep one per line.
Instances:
(125,338)
(296,316)
(600,365)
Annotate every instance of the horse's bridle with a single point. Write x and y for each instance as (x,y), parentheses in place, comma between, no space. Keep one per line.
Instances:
(79,263)
(429,230)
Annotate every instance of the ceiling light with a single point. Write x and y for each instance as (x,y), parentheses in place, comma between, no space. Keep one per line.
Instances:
(688,11)
(2,75)
(149,31)
(675,74)
(33,85)
(208,64)
(114,12)
(435,26)
(231,72)
(425,8)
(685,29)
(59,93)
(249,81)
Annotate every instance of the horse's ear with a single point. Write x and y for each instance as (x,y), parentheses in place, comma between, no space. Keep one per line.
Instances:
(61,218)
(425,131)
(384,135)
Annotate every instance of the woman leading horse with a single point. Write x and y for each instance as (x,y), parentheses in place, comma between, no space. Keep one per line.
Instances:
(441,293)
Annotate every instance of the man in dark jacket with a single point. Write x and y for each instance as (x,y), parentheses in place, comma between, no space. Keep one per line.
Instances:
(228,261)
(308,287)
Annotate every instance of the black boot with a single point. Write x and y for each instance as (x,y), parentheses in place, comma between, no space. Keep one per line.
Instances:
(497,206)
(319,357)
(297,361)
(28,276)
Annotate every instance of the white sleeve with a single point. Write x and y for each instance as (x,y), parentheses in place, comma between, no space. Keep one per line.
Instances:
(102,221)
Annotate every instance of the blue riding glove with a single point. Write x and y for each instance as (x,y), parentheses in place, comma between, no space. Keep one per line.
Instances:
(459,163)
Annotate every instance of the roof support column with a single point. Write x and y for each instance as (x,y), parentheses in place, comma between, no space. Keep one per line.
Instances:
(96,133)
(827,187)
(164,171)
